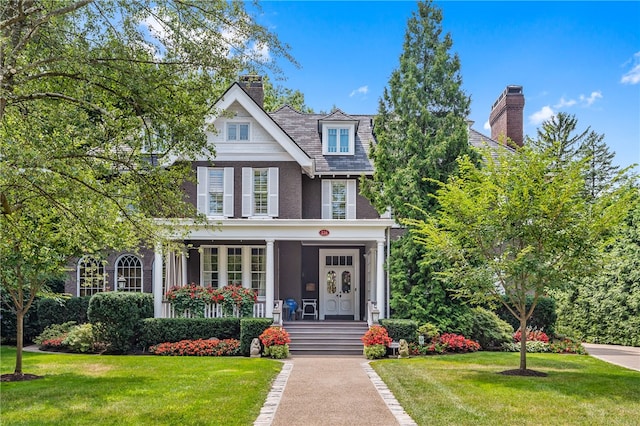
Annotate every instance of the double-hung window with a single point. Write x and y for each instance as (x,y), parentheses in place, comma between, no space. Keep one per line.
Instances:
(239,265)
(210,267)
(215,191)
(237,131)
(338,139)
(339,199)
(258,271)
(260,192)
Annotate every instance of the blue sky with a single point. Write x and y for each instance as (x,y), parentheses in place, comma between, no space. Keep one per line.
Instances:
(582,58)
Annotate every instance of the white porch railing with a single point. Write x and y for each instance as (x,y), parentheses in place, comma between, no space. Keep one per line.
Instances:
(212,310)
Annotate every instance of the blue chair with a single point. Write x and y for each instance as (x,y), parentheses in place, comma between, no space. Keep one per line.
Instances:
(293,306)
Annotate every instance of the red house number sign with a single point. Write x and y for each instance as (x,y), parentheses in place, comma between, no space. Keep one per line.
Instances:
(324,232)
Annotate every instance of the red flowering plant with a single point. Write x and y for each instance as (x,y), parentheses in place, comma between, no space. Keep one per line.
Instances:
(458,343)
(376,335)
(191,300)
(274,336)
(533,335)
(200,347)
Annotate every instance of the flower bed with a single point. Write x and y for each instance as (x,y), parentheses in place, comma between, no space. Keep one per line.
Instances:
(200,347)
(446,343)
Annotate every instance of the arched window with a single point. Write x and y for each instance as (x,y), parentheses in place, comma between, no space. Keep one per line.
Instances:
(128,273)
(91,276)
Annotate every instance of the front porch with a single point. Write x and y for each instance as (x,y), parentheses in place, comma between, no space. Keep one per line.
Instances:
(338,264)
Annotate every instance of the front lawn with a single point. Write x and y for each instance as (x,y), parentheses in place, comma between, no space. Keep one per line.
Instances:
(466,389)
(135,390)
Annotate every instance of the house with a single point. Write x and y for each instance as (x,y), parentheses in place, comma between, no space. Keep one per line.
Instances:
(284,190)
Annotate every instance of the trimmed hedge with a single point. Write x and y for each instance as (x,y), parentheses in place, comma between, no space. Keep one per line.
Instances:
(118,317)
(401,329)
(52,311)
(251,328)
(170,330)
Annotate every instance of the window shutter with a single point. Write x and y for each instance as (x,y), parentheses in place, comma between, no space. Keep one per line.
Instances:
(227,209)
(247,191)
(351,199)
(272,200)
(202,190)
(326,199)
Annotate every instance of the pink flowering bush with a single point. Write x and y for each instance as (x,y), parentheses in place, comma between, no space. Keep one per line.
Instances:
(447,342)
(376,335)
(200,347)
(533,335)
(276,342)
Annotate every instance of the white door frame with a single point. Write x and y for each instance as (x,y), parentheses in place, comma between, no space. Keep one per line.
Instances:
(355,253)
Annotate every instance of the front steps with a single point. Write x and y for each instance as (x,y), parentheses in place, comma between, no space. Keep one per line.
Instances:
(325,337)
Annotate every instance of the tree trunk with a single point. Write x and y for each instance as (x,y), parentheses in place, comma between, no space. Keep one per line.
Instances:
(19,338)
(523,342)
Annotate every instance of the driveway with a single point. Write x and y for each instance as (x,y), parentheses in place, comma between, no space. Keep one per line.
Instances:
(624,356)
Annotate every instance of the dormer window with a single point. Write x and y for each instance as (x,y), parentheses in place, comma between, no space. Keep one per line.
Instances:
(237,131)
(338,139)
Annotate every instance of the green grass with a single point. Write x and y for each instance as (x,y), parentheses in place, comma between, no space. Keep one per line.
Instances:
(134,390)
(466,389)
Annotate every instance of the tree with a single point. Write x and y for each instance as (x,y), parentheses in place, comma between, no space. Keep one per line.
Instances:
(420,130)
(97,101)
(557,134)
(600,170)
(518,226)
(278,96)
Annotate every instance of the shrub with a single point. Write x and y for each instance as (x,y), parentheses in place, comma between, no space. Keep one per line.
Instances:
(57,311)
(159,330)
(274,336)
(533,346)
(429,331)
(533,335)
(117,318)
(400,329)
(457,343)
(251,328)
(567,346)
(489,330)
(55,344)
(376,335)
(54,331)
(200,347)
(277,351)
(432,348)
(375,351)
(81,339)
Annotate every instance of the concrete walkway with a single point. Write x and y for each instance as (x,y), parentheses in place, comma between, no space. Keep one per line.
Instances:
(316,390)
(624,356)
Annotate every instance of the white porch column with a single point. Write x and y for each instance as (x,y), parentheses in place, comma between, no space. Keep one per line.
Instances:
(270,284)
(380,293)
(184,268)
(157,281)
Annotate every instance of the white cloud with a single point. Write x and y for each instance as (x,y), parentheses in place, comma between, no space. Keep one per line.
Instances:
(363,90)
(633,75)
(591,99)
(540,116)
(260,52)
(486,125)
(564,103)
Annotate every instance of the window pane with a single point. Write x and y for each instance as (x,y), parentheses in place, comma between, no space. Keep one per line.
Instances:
(210,267)
(244,132)
(91,276)
(331,282)
(258,271)
(216,191)
(129,273)
(232,132)
(338,200)
(260,191)
(344,140)
(234,265)
(332,143)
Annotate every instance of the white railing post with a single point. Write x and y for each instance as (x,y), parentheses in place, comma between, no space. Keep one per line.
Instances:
(157,284)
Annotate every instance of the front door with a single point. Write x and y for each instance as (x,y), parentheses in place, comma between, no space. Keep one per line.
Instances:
(339,284)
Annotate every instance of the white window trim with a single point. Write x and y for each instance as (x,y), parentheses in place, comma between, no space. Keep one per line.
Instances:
(247,193)
(203,191)
(237,123)
(117,265)
(104,272)
(338,125)
(327,188)
(223,276)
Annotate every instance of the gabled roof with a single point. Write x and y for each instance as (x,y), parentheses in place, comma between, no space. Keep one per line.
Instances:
(303,128)
(478,140)
(236,93)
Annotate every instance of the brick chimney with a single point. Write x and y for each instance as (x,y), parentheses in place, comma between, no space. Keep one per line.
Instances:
(506,118)
(252,84)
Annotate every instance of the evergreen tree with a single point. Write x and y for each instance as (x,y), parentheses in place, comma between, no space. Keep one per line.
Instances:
(558,135)
(600,169)
(420,131)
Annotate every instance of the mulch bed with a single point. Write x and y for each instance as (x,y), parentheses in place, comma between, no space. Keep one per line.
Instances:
(518,372)
(19,377)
